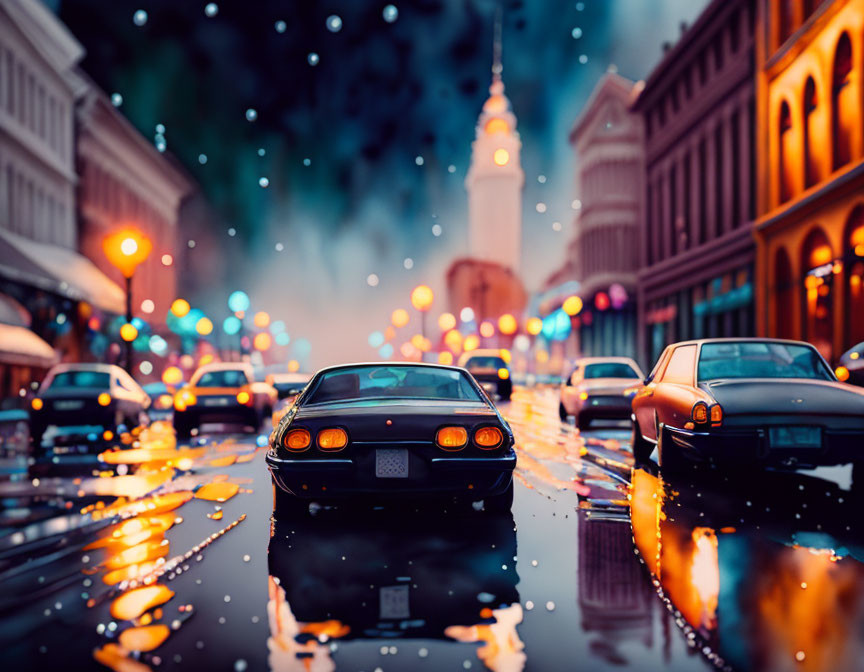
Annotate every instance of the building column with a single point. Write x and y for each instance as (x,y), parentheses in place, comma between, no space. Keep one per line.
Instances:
(711,182)
(730,172)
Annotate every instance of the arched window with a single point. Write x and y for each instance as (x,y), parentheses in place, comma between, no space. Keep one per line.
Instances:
(811,161)
(816,262)
(854,261)
(843,104)
(786,153)
(784,292)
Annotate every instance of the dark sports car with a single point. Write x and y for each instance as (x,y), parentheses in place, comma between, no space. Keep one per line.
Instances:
(767,401)
(392,430)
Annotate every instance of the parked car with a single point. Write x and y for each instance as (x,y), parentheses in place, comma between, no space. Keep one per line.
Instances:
(599,388)
(850,367)
(392,430)
(161,400)
(490,370)
(218,393)
(288,384)
(103,395)
(747,402)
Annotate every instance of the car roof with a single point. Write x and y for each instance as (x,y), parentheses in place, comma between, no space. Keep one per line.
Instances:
(743,339)
(601,360)
(85,366)
(224,366)
(428,365)
(480,352)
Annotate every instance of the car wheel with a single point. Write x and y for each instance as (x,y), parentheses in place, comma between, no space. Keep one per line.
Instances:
(858,478)
(671,459)
(642,449)
(288,507)
(500,503)
(182,429)
(583,421)
(562,412)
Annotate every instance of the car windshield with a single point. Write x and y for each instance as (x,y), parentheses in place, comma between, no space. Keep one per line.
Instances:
(224,378)
(85,379)
(760,360)
(485,362)
(399,382)
(610,370)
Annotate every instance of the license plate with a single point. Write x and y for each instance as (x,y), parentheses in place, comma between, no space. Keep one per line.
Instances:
(795,437)
(216,401)
(391,463)
(68,405)
(393,602)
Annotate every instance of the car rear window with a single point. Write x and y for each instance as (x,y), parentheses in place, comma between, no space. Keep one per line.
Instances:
(405,382)
(760,360)
(226,378)
(489,362)
(83,379)
(610,370)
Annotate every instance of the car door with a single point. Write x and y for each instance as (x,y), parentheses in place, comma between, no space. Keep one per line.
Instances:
(644,402)
(674,394)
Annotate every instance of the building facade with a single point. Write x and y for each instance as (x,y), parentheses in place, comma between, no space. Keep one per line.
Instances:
(810,166)
(126,181)
(41,270)
(697,251)
(494,182)
(604,253)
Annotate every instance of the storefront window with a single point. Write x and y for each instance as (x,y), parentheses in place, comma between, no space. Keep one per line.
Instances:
(818,259)
(855,277)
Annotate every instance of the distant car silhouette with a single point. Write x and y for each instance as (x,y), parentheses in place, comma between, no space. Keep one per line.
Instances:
(598,388)
(490,370)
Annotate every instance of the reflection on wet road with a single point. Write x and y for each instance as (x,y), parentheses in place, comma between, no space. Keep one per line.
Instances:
(159,556)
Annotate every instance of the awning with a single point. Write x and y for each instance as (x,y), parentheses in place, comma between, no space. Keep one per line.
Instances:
(21,347)
(12,312)
(59,270)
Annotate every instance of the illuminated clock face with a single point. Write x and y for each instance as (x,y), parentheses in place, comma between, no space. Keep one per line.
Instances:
(497,126)
(501,157)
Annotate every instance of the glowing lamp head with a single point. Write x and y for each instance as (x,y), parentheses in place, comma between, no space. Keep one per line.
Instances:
(534,326)
(104,399)
(400,318)
(501,157)
(507,324)
(129,246)
(503,373)
(244,398)
(180,308)
(572,305)
(37,404)
(842,373)
(128,332)
(422,298)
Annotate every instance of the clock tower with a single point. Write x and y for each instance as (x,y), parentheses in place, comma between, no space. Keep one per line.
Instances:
(495,178)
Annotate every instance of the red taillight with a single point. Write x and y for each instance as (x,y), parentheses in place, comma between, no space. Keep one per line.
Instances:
(699,415)
(488,438)
(716,415)
(244,398)
(332,439)
(451,438)
(297,439)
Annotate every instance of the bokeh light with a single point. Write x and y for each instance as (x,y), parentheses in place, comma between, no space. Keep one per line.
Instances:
(399,318)
(572,305)
(180,307)
(239,302)
(507,324)
(263,341)
(446,321)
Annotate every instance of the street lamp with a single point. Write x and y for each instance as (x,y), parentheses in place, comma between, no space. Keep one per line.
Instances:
(127,249)
(422,298)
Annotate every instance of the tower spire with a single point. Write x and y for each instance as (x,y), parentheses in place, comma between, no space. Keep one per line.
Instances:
(497,67)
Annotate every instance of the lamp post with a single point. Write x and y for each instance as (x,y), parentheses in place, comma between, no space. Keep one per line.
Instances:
(127,249)
(422,298)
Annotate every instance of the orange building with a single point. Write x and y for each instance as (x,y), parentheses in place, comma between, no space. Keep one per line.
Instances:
(810,144)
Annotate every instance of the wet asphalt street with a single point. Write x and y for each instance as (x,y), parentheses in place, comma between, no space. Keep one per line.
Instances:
(176,563)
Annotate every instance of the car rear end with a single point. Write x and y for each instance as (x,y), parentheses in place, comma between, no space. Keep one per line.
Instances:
(394,448)
(74,397)
(789,423)
(223,396)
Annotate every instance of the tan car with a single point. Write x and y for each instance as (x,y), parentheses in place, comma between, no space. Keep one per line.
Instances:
(599,388)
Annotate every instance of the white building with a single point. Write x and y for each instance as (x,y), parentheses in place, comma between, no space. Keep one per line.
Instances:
(40,266)
(495,180)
